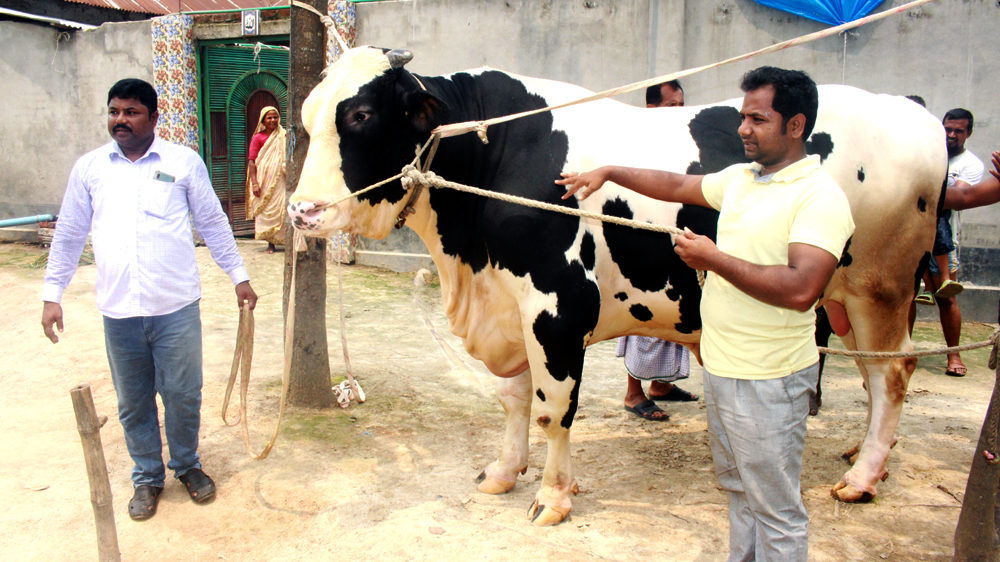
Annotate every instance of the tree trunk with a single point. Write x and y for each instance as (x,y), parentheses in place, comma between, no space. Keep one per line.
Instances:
(976,537)
(309,383)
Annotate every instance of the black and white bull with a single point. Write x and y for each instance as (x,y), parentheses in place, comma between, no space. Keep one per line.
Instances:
(528,290)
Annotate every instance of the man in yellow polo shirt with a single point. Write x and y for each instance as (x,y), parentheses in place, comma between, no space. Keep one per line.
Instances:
(783,224)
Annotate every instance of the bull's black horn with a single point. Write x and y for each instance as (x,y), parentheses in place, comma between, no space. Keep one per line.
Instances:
(399,57)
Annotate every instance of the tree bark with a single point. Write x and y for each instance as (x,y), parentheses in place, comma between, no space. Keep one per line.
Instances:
(976,538)
(309,378)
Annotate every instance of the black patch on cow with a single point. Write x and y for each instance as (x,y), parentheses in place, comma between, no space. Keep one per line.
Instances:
(588,251)
(714,131)
(644,257)
(640,313)
(524,158)
(574,403)
(922,204)
(621,296)
(845,257)
(822,144)
(861,174)
(540,395)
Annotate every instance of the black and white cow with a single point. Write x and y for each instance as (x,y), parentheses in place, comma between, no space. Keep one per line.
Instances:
(528,289)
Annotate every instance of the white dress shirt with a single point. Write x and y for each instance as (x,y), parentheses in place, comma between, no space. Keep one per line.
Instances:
(143,247)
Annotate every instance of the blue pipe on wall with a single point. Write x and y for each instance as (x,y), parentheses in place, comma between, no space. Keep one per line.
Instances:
(26,220)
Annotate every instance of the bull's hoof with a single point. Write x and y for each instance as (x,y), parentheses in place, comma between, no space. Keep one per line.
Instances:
(851,454)
(493,485)
(547,515)
(848,493)
(496,485)
(549,509)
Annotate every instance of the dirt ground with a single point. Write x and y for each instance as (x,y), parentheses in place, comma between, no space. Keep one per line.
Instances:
(393,479)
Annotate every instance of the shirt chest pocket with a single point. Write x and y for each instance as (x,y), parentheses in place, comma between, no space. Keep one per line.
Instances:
(160,199)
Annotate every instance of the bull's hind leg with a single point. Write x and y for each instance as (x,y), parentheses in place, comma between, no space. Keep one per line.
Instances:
(886,381)
(515,397)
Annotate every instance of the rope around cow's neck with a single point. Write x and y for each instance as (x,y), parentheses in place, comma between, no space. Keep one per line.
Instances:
(428,178)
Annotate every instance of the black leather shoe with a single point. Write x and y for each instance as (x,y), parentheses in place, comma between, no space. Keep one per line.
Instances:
(199,485)
(144,500)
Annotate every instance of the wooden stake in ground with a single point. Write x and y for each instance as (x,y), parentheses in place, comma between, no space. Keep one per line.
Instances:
(89,426)
(309,379)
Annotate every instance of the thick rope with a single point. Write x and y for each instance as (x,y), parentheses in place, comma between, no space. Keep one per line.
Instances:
(327,21)
(430,179)
(906,354)
(480,126)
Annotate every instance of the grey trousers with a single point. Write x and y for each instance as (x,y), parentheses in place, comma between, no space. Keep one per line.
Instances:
(757,431)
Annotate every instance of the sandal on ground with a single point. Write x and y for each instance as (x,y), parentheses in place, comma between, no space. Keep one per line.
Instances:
(949,289)
(144,500)
(925,298)
(645,410)
(957,371)
(199,486)
(676,394)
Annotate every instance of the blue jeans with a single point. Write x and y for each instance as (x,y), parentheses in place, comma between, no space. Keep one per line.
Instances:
(150,355)
(757,431)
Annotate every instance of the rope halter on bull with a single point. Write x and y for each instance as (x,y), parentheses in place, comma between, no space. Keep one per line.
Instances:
(417,175)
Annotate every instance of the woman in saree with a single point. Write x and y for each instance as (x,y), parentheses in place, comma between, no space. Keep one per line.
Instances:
(266,179)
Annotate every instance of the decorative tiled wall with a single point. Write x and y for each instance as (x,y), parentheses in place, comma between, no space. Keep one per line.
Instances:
(342,246)
(174,77)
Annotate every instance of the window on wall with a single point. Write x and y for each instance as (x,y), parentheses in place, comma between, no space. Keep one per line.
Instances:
(220,137)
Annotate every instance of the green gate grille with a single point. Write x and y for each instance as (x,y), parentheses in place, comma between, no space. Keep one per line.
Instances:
(230,76)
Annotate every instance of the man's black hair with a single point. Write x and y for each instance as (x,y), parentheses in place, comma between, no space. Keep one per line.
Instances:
(134,89)
(959,113)
(654,93)
(794,93)
(917,99)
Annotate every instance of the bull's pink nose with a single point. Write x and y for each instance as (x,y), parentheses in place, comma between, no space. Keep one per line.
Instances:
(305,215)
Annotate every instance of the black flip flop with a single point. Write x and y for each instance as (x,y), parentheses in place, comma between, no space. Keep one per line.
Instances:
(144,500)
(199,486)
(645,410)
(676,394)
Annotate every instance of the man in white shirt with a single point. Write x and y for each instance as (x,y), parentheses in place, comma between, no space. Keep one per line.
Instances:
(136,194)
(964,170)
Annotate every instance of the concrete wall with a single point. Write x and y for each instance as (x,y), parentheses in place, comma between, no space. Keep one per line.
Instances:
(54,96)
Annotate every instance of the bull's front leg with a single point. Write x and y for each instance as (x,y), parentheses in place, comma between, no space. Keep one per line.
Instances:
(554,408)
(556,339)
(515,397)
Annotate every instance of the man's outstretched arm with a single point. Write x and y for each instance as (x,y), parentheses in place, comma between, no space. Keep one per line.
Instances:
(657,184)
(986,192)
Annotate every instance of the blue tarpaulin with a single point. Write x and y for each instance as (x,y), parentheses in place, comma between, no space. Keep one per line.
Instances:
(833,12)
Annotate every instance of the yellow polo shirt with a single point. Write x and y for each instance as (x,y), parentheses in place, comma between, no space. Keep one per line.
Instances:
(741,336)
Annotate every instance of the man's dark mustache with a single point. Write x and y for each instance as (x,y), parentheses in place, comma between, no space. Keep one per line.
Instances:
(122,128)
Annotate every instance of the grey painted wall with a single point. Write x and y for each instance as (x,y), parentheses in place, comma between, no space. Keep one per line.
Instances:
(54,97)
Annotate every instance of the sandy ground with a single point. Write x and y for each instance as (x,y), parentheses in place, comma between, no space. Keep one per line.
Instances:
(393,479)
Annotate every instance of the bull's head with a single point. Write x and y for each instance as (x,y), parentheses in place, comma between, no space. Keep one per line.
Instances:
(365,120)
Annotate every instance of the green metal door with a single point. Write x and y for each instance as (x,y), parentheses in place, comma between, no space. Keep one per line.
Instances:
(231,75)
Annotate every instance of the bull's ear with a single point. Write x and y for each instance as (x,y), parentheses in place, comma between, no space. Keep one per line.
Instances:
(425,111)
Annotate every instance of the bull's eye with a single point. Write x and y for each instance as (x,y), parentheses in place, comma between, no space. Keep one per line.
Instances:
(360,116)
